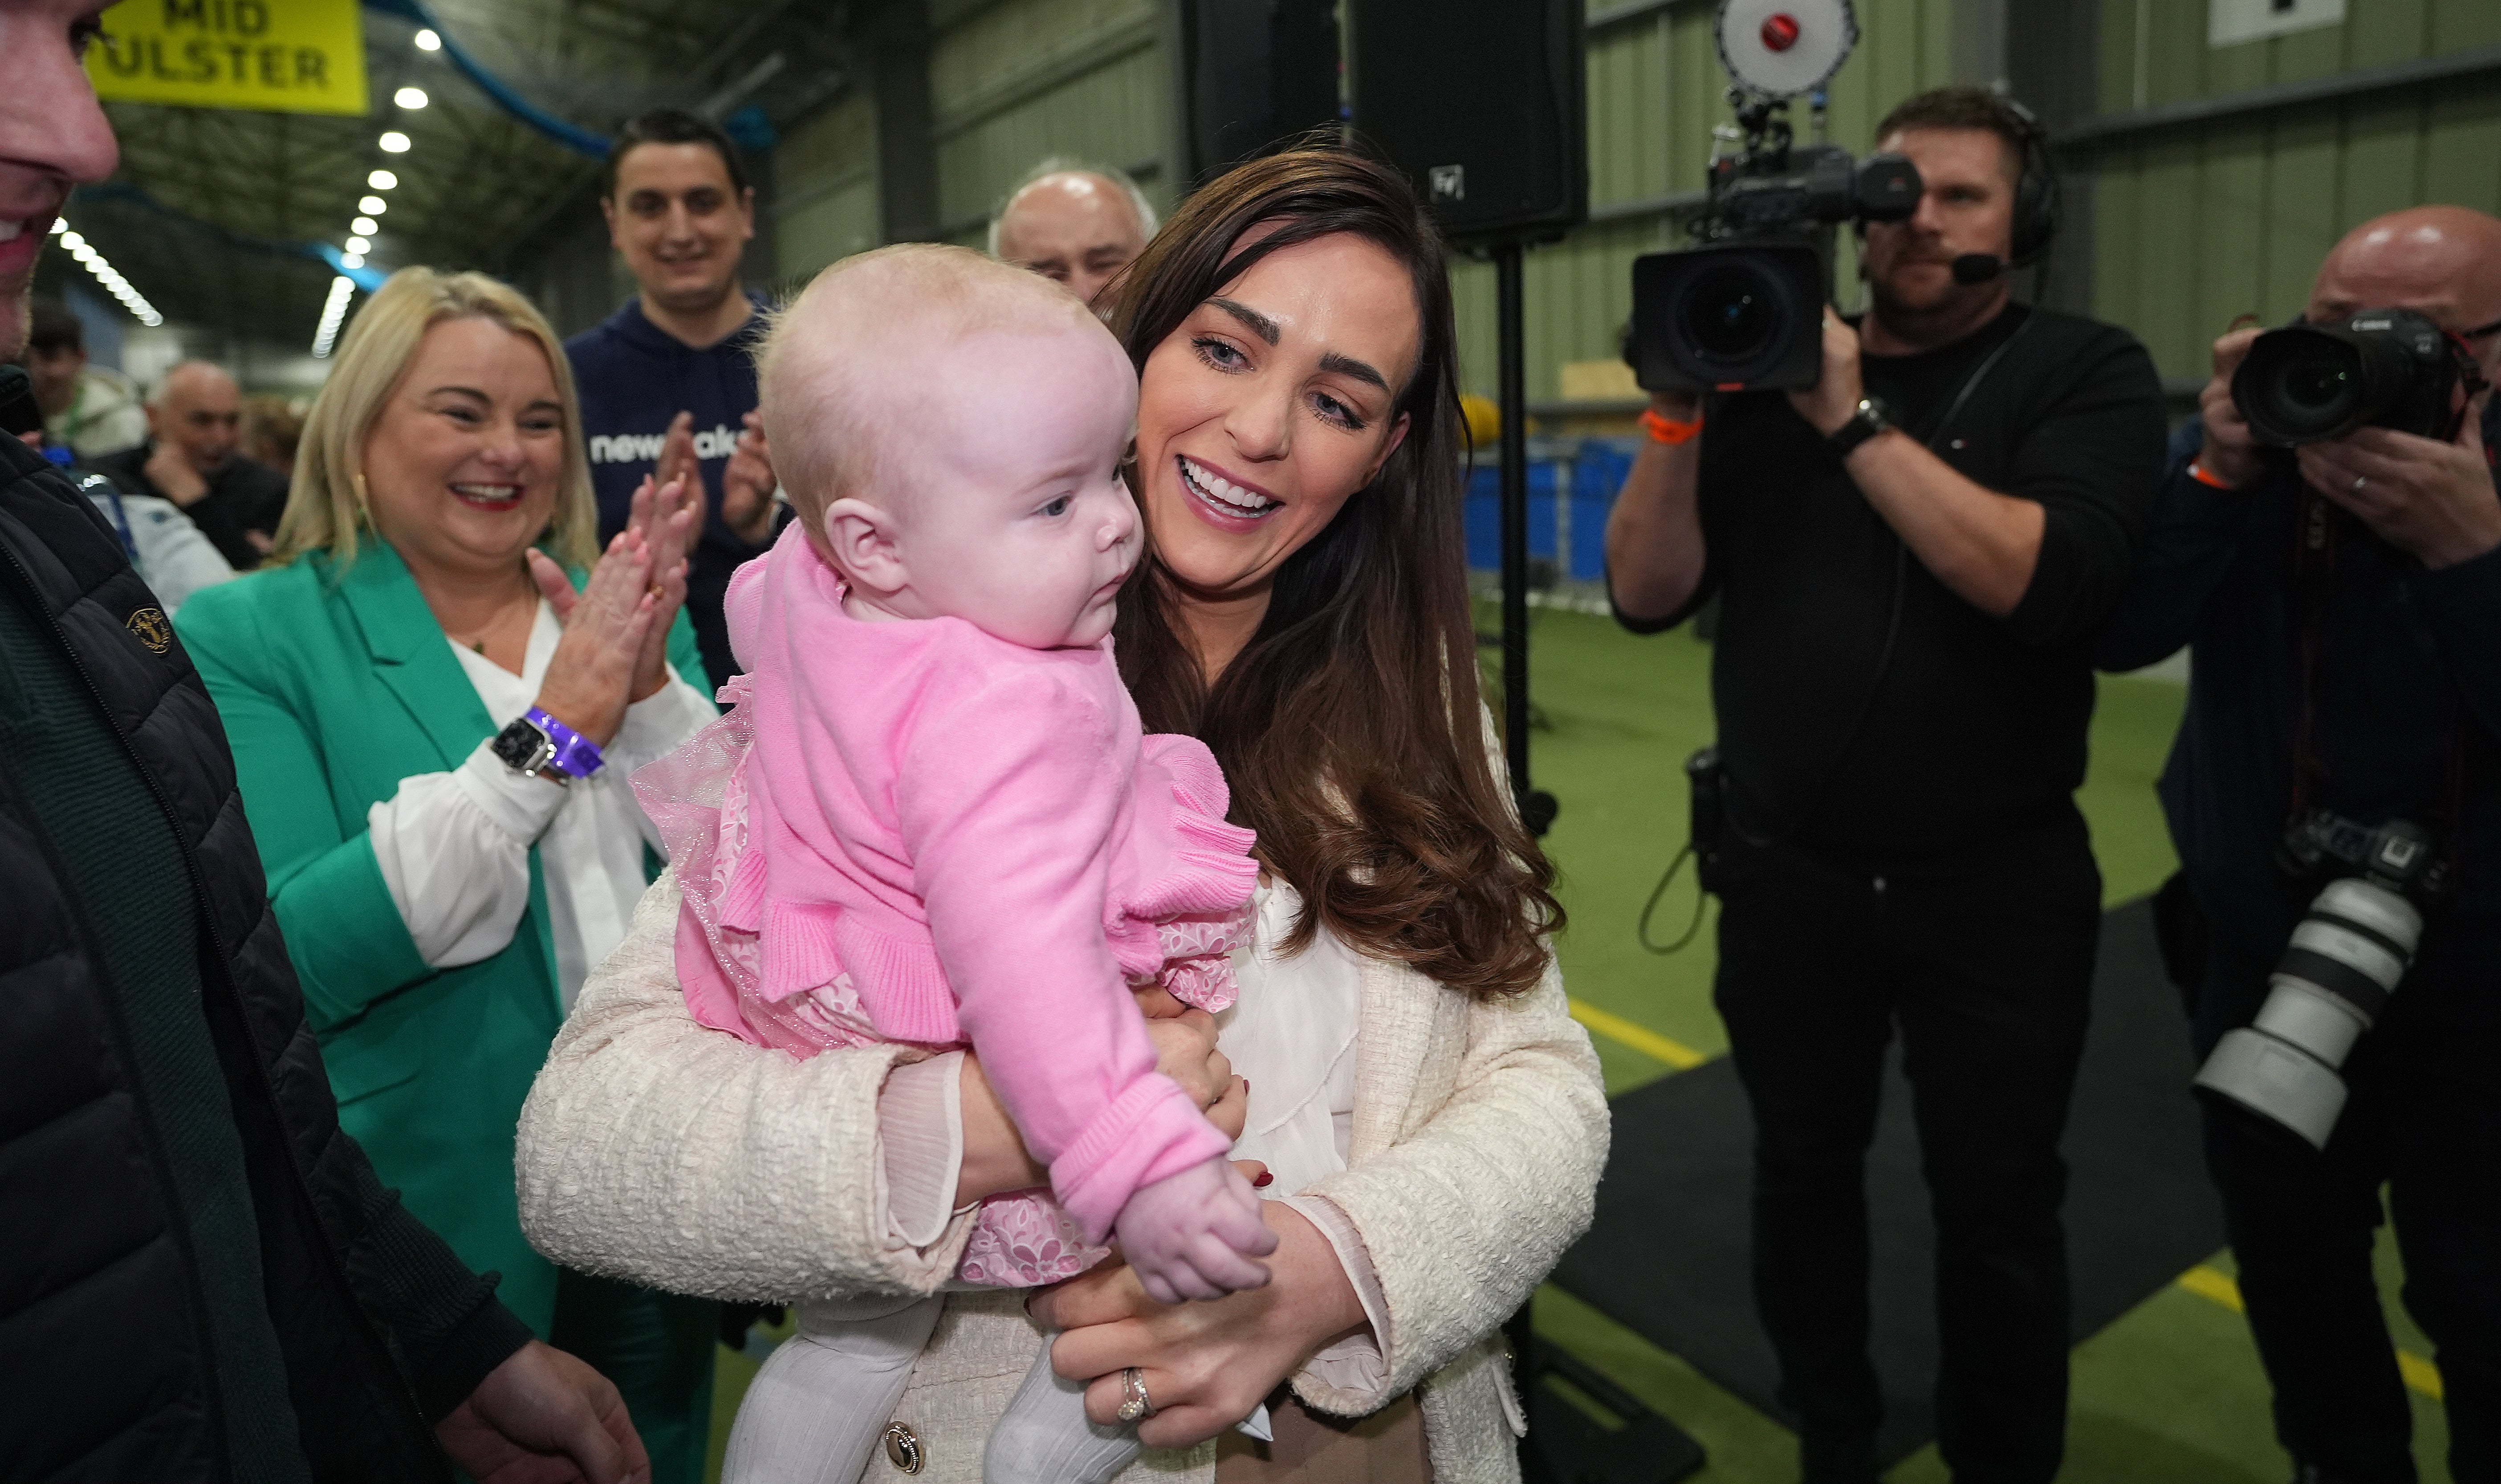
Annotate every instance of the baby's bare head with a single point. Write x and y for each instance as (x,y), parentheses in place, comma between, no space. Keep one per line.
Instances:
(857,370)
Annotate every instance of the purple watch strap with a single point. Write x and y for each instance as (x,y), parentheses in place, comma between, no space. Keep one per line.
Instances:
(576,756)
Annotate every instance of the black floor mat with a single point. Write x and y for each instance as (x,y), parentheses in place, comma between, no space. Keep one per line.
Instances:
(1668,1254)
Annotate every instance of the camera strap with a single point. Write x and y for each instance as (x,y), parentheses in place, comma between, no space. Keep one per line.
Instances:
(2313,574)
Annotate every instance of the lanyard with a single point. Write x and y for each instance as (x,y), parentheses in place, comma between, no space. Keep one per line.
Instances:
(120,517)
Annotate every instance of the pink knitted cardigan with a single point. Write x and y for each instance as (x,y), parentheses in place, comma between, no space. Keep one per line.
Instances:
(979,837)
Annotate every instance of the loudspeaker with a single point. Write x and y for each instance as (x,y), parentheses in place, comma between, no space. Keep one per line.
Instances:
(1251,74)
(1479,102)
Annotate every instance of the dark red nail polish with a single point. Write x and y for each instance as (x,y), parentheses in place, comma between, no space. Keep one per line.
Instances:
(1264,1181)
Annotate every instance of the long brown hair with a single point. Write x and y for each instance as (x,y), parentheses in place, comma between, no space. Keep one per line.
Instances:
(1350,726)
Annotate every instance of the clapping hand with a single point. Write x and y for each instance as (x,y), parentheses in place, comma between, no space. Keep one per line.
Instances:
(599,661)
(746,485)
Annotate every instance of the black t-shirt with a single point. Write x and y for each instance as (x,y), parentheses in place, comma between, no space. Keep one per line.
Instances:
(1865,710)
(245,498)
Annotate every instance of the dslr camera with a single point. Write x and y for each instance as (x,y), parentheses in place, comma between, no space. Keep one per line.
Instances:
(2306,384)
(2347,957)
(1744,308)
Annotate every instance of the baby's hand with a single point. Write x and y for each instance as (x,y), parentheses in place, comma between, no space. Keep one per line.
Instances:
(1192,1234)
(1156,1003)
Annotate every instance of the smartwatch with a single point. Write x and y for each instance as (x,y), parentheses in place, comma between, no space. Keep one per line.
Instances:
(537,746)
(1871,419)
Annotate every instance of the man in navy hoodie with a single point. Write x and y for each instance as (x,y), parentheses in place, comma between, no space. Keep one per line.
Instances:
(668,381)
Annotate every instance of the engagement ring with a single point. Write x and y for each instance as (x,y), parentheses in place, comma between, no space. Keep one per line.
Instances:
(1136,1406)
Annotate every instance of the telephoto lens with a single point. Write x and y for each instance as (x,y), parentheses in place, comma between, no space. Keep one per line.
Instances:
(2333,982)
(2306,384)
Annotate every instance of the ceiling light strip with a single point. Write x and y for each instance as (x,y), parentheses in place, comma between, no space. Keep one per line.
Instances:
(334,312)
(106,274)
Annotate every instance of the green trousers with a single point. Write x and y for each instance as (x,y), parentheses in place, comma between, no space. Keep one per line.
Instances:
(658,1349)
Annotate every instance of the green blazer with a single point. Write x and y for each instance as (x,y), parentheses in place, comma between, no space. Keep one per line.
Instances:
(334,687)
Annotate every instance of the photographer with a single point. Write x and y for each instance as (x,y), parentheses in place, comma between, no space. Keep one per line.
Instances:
(1901,679)
(2344,602)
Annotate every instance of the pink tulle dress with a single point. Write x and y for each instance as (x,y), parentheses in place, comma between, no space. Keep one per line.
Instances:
(810,920)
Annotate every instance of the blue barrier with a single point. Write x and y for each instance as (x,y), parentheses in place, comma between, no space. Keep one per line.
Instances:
(1596,466)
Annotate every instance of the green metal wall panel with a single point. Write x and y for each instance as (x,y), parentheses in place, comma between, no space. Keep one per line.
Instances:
(2199,225)
(1027,79)
(825,202)
(2154,51)
(1113,114)
(2188,229)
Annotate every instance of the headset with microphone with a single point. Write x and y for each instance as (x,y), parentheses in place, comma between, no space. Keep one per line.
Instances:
(2036,203)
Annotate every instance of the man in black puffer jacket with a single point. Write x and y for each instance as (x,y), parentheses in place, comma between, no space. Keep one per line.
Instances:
(200,1277)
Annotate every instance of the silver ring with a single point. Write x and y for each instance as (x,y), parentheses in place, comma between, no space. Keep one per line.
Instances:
(1137,1405)
(2360,480)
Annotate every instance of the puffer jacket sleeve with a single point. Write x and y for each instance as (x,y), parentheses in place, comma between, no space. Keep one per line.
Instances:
(654,1149)
(1466,1216)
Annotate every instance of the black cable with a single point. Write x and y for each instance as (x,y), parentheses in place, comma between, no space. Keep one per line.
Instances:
(1700,896)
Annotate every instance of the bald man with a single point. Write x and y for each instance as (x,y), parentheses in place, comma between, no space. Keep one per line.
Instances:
(2344,606)
(1077,226)
(191,457)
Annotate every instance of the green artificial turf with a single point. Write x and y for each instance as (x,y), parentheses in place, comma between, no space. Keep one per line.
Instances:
(2169,1394)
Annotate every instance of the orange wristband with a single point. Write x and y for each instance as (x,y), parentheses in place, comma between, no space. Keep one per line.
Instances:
(1662,430)
(2202,475)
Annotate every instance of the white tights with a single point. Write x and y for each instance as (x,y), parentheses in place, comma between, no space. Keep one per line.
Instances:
(819,1406)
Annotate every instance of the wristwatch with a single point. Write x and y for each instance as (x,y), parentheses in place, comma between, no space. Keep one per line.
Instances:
(1871,419)
(537,746)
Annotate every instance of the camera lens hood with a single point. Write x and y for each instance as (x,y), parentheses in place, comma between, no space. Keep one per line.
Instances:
(2307,383)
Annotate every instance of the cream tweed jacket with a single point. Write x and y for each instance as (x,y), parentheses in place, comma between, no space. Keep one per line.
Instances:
(656,1150)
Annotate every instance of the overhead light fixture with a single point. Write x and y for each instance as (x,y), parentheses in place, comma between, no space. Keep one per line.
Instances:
(351,260)
(373,205)
(107,275)
(410,97)
(427,41)
(334,312)
(364,226)
(382,180)
(359,245)
(393,141)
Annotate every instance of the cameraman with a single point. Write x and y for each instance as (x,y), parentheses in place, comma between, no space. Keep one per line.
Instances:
(1902,676)
(2345,609)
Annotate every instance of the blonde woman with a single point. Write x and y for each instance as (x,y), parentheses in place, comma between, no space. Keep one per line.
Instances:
(434,732)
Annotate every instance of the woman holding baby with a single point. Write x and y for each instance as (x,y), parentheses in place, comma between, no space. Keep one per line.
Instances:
(1428,1114)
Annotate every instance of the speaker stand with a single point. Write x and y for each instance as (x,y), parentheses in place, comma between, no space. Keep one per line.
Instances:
(1537,807)
(1565,1445)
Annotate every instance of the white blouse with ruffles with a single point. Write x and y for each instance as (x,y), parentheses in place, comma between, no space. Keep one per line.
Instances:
(454,848)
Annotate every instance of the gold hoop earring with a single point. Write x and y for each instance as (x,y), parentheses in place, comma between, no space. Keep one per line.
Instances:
(364,504)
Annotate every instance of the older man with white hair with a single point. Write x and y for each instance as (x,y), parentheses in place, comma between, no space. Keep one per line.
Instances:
(1076,224)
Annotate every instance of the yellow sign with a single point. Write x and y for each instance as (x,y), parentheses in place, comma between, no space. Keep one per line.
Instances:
(294,56)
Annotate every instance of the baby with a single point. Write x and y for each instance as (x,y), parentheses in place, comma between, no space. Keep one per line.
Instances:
(932,817)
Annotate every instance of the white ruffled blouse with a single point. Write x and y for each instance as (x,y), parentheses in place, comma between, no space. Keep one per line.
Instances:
(454,848)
